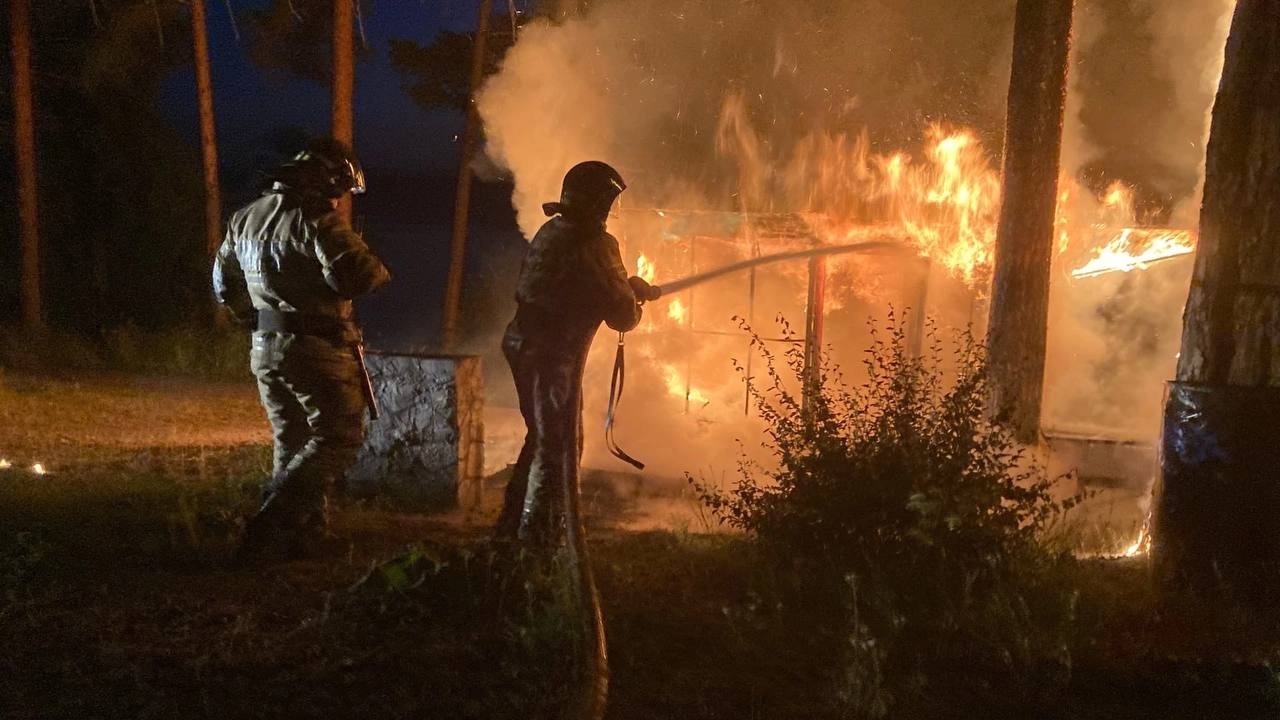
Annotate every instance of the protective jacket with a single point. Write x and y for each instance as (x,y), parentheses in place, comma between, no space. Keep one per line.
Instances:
(289,266)
(292,254)
(572,280)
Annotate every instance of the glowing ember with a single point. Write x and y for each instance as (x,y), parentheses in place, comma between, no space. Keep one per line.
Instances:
(38,469)
(1137,249)
(677,311)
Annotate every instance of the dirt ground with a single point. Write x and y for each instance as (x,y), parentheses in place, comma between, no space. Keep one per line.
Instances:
(117,599)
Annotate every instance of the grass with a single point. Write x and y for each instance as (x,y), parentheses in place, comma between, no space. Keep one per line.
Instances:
(116,602)
(194,351)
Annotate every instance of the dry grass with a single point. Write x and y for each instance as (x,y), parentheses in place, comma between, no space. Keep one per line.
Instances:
(116,602)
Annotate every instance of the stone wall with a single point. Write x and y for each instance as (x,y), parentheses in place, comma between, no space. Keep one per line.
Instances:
(426,451)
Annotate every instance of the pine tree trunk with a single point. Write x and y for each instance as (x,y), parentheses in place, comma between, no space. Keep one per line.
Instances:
(24,130)
(462,202)
(1024,241)
(1218,506)
(344,81)
(208,143)
(208,134)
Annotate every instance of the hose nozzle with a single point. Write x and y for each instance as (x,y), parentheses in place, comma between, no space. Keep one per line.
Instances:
(644,292)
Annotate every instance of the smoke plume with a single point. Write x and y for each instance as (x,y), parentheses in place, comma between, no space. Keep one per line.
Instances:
(788,107)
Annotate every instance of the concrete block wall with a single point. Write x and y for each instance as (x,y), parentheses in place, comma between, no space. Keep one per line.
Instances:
(426,451)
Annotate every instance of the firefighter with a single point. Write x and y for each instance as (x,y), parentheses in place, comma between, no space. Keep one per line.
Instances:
(289,267)
(572,279)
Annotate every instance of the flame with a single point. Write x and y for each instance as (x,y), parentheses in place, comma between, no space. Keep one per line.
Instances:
(5,464)
(38,469)
(1140,546)
(1119,199)
(1136,249)
(678,386)
(947,205)
(677,311)
(645,268)
(1065,198)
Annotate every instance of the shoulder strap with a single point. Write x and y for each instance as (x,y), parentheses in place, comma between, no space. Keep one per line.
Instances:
(615,398)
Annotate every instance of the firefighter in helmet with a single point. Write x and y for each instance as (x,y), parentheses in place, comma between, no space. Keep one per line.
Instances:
(289,267)
(572,279)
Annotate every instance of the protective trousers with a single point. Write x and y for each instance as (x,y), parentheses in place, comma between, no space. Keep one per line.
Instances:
(549,385)
(310,389)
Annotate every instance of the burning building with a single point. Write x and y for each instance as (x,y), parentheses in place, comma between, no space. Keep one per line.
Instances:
(746,130)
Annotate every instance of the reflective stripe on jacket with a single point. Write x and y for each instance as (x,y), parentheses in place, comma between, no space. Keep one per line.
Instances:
(284,253)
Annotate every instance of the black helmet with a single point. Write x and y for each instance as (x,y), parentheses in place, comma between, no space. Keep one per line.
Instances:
(589,190)
(327,167)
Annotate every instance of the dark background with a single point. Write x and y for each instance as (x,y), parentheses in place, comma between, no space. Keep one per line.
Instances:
(118,145)
(120,190)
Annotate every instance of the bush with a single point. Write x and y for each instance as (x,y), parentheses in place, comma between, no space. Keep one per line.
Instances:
(905,506)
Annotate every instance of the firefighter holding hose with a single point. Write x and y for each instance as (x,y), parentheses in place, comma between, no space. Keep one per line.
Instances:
(572,280)
(289,267)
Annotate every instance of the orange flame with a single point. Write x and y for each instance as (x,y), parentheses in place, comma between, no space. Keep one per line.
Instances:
(1136,249)
(948,205)
(677,311)
(646,269)
(1140,546)
(679,386)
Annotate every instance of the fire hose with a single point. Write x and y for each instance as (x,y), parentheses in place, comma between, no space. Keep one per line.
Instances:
(595,692)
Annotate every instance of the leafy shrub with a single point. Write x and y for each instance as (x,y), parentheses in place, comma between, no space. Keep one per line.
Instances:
(902,502)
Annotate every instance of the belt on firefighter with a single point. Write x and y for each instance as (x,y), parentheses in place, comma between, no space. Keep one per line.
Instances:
(615,398)
(322,326)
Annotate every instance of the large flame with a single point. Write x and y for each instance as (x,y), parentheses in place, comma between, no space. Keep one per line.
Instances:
(1137,249)
(946,204)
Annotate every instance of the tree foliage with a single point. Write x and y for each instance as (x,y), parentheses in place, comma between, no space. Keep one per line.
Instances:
(120,192)
(438,75)
(296,37)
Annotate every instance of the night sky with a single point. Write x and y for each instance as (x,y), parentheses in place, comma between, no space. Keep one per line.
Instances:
(410,156)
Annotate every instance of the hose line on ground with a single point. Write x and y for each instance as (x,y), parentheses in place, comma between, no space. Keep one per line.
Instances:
(593,700)
(594,695)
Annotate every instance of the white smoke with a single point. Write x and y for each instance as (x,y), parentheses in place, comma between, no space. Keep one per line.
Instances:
(642,84)
(1141,99)
(645,85)
(1189,39)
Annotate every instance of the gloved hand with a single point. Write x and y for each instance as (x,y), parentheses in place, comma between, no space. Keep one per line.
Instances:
(644,292)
